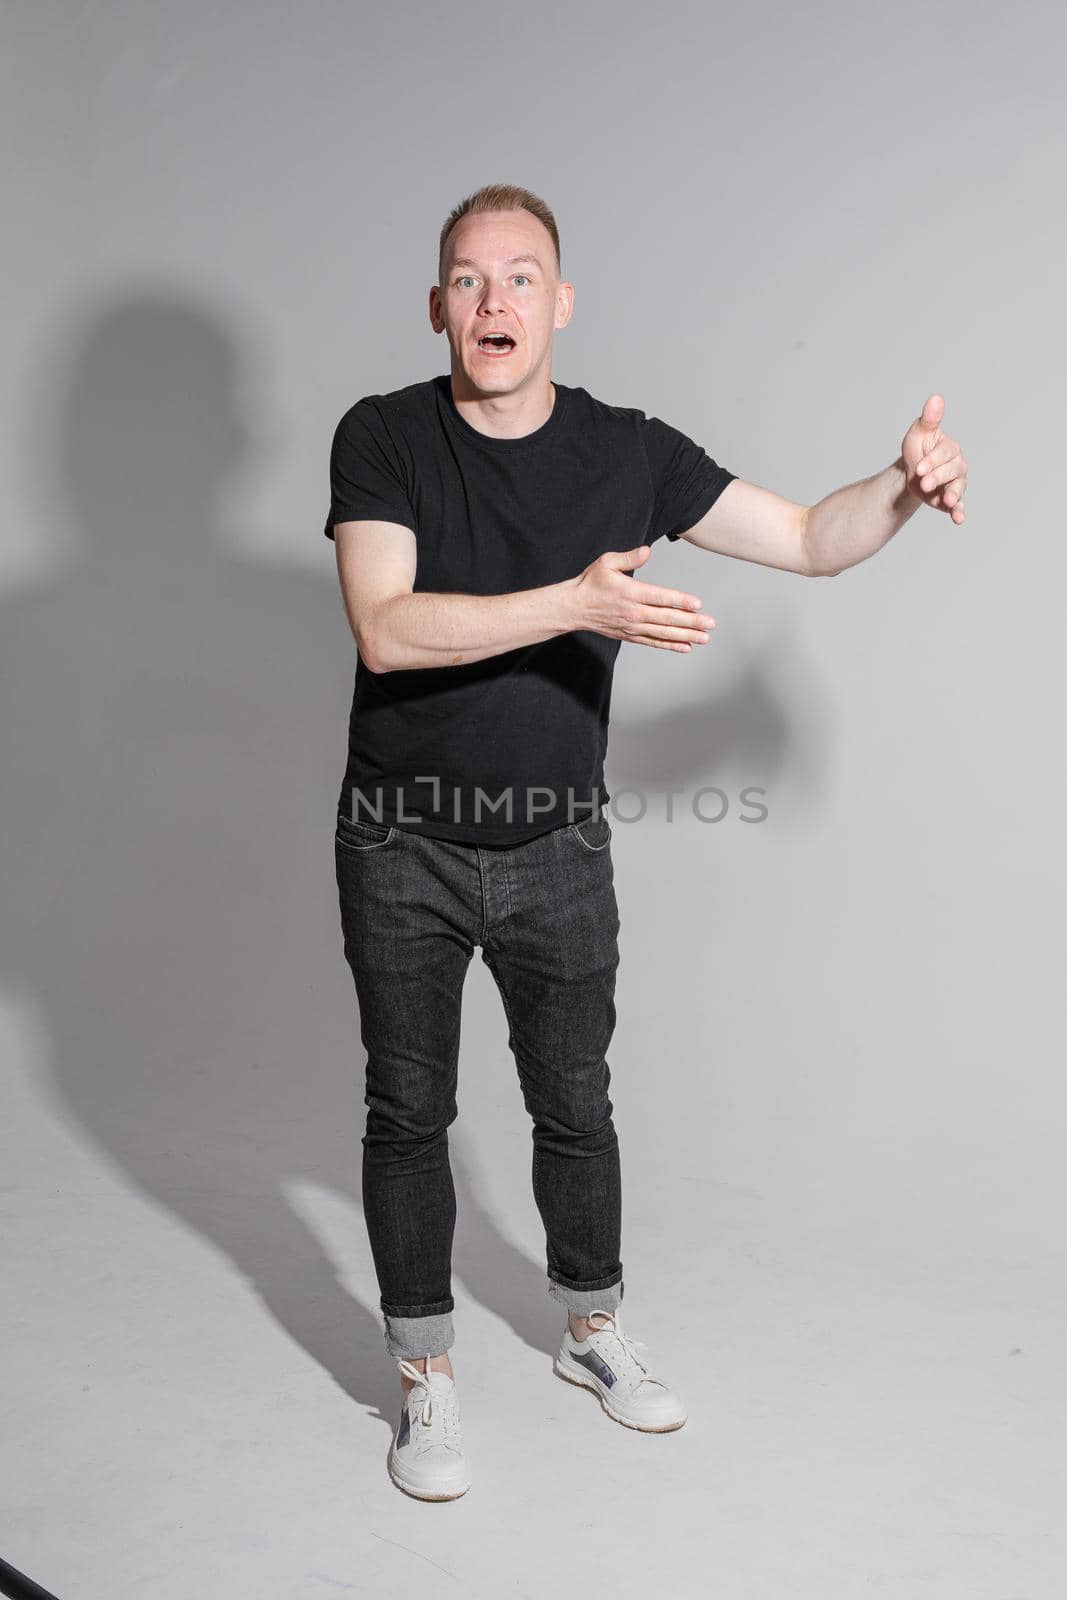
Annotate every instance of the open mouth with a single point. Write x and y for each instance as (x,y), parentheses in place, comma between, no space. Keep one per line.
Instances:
(496,344)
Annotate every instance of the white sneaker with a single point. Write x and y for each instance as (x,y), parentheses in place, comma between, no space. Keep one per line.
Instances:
(607,1362)
(426,1456)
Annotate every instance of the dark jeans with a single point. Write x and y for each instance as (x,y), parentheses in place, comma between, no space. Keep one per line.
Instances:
(545,915)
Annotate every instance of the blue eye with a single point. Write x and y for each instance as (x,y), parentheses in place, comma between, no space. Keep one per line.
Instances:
(468,279)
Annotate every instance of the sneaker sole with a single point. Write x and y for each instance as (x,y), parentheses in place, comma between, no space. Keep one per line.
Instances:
(587,1381)
(427,1493)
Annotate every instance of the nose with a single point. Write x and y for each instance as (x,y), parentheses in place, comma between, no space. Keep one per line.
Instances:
(492,299)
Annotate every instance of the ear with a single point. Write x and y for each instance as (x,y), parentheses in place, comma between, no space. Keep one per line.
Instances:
(564,304)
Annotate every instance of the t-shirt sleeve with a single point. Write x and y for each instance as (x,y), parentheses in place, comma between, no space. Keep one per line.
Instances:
(367,480)
(686,482)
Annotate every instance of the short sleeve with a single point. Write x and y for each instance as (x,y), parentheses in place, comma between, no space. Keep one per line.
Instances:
(686,482)
(367,480)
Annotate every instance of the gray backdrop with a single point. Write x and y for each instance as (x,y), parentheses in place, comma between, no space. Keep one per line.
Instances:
(837,1073)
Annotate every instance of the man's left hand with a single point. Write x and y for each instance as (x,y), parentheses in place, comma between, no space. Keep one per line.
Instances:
(934,464)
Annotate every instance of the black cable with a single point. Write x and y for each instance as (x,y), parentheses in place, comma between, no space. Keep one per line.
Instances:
(19,1587)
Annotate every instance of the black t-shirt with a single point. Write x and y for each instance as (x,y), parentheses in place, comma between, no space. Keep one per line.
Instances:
(497,751)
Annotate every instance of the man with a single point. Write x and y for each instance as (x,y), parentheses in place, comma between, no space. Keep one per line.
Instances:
(488,526)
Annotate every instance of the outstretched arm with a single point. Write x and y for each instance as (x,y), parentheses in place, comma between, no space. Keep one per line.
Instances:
(848,525)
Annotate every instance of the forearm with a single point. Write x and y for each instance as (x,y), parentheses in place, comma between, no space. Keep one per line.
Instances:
(854,522)
(448,630)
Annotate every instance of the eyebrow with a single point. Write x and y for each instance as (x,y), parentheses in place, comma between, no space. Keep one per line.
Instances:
(465,261)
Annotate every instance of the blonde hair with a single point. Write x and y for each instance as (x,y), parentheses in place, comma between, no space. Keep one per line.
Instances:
(498,197)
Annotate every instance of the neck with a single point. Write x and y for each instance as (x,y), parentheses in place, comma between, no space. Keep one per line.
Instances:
(503,416)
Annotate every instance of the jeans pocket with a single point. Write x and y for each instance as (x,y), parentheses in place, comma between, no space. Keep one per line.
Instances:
(594,833)
(363,836)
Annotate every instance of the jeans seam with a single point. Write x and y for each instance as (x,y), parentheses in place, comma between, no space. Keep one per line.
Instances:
(580,1288)
(485,905)
(502,986)
(432,1308)
(594,849)
(487,934)
(361,849)
(507,891)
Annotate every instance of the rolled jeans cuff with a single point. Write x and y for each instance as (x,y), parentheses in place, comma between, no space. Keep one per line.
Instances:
(411,1338)
(583,1301)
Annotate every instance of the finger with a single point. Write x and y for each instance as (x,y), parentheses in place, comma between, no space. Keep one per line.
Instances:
(935,463)
(942,501)
(663,617)
(651,594)
(953,492)
(935,454)
(953,468)
(641,632)
(660,644)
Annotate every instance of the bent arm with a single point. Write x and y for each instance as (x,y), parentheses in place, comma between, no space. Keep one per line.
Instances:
(396,629)
(446,630)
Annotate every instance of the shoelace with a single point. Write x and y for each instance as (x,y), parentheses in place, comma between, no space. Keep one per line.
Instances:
(629,1344)
(428,1414)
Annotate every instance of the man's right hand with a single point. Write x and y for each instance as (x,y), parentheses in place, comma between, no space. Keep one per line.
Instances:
(621,607)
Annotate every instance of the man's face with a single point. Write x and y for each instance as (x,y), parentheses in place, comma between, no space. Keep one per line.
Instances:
(500,274)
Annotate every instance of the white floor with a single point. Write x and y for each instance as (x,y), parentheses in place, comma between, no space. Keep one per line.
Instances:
(204,1406)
